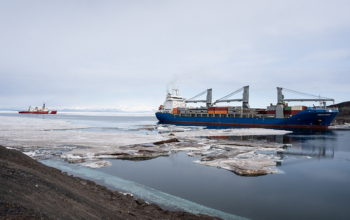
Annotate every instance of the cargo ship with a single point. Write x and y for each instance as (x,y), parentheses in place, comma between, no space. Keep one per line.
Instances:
(280,115)
(43,110)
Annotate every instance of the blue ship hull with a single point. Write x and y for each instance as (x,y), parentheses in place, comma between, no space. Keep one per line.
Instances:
(310,118)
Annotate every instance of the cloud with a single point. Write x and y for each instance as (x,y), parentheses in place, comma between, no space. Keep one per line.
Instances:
(119,52)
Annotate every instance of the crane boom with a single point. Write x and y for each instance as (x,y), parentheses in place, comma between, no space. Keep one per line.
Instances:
(281,99)
(207,101)
(244,99)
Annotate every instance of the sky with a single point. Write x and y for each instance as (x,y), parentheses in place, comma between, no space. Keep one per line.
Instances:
(126,54)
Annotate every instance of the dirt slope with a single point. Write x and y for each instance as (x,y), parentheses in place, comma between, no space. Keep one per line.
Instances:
(344,113)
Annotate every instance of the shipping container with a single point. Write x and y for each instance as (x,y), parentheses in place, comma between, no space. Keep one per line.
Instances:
(297,108)
(271,112)
(271,108)
(295,112)
(288,112)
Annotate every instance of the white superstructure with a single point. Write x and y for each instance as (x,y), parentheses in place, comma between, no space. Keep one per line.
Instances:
(173,100)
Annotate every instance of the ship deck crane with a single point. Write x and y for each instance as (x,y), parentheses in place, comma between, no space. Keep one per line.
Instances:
(207,101)
(281,99)
(244,99)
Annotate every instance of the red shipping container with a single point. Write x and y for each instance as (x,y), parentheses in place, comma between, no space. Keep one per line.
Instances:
(271,112)
(287,112)
(221,108)
(295,112)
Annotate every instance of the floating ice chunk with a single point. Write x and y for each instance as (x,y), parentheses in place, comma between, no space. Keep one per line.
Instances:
(308,157)
(30,153)
(97,164)
(244,167)
(276,170)
(232,132)
(345,126)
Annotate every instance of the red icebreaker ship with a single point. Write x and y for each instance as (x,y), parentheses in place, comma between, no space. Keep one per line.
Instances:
(38,111)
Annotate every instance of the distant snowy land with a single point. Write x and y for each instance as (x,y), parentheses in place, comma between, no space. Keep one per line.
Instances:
(122,110)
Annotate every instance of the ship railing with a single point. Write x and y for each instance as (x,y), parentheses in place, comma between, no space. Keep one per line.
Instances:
(322,108)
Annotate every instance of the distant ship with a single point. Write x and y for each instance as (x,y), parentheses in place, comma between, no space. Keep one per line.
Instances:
(280,115)
(43,110)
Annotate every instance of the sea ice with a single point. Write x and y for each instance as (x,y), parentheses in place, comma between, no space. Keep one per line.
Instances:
(345,126)
(231,132)
(97,164)
(244,167)
(238,156)
(30,133)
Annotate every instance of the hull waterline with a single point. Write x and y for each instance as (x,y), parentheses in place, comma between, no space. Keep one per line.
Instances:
(318,119)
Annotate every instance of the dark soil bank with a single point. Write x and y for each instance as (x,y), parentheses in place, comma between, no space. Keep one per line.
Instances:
(344,113)
(31,190)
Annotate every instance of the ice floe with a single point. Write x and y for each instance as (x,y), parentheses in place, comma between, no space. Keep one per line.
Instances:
(28,133)
(97,164)
(241,157)
(231,132)
(345,126)
(36,137)
(127,152)
(244,167)
(36,124)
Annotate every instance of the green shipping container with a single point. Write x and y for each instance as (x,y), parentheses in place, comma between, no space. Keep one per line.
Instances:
(287,108)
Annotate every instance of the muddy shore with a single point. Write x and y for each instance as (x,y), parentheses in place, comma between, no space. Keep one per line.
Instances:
(31,190)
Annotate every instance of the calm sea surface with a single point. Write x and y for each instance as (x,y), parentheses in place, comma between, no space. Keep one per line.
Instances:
(314,182)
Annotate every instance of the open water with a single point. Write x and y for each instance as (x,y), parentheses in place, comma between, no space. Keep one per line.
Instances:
(313,182)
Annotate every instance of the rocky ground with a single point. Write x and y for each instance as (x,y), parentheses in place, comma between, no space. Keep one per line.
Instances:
(31,190)
(344,113)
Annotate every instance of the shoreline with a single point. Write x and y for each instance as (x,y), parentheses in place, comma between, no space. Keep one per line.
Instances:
(33,190)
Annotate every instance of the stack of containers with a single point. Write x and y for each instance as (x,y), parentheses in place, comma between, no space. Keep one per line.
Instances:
(230,110)
(297,109)
(182,110)
(202,111)
(211,110)
(261,111)
(271,110)
(238,109)
(287,110)
(221,110)
(191,111)
(175,111)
